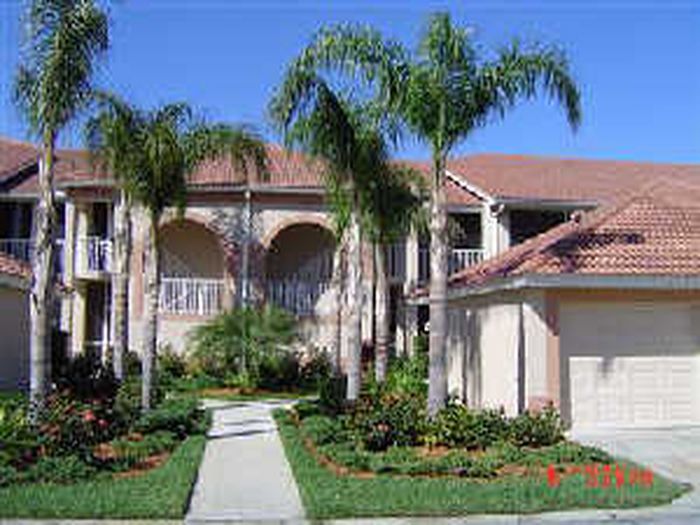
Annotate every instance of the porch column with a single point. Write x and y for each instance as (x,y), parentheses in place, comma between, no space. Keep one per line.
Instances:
(495,230)
(407,316)
(79,321)
(81,229)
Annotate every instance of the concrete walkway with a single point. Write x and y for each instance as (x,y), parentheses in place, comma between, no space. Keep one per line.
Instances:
(244,475)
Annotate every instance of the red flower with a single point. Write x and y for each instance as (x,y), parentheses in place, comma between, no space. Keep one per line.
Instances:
(102,423)
(88,416)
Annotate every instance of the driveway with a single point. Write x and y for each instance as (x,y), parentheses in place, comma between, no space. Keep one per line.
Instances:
(672,452)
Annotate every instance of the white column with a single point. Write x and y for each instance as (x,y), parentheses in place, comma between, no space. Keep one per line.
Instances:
(495,230)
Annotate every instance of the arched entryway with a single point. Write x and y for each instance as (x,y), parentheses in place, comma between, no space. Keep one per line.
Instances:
(193,270)
(299,266)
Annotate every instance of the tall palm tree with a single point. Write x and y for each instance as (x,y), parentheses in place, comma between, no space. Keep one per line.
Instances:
(110,140)
(442,93)
(327,126)
(152,153)
(393,206)
(64,40)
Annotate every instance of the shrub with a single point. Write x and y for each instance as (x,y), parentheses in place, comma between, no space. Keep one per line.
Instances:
(314,370)
(171,367)
(331,394)
(407,375)
(180,415)
(322,430)
(66,469)
(537,429)
(18,443)
(279,371)
(384,419)
(8,475)
(237,341)
(72,427)
(84,377)
(458,426)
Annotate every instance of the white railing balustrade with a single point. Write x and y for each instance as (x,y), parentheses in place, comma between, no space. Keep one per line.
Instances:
(458,259)
(461,258)
(23,249)
(96,254)
(190,295)
(297,297)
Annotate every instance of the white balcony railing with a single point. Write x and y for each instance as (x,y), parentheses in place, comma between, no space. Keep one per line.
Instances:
(297,297)
(23,249)
(190,295)
(459,258)
(95,254)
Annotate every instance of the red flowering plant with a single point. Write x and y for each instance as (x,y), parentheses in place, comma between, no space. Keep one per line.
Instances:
(72,426)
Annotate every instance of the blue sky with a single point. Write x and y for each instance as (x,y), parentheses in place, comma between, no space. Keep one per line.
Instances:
(637,64)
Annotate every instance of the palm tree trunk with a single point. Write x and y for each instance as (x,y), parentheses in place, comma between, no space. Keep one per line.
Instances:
(354,291)
(41,297)
(150,339)
(120,283)
(437,390)
(382,313)
(337,285)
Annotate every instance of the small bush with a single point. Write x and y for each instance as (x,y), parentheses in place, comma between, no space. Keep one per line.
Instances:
(331,394)
(323,430)
(72,427)
(408,375)
(537,429)
(85,378)
(239,341)
(18,443)
(180,415)
(458,426)
(382,420)
(65,469)
(8,475)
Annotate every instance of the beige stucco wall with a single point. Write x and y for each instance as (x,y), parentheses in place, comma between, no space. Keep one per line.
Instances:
(14,348)
(497,350)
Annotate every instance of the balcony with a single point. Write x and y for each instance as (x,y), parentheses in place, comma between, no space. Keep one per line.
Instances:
(296,296)
(23,249)
(459,258)
(190,296)
(94,255)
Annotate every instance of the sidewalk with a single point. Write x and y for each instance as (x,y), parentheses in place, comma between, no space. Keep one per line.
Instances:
(244,475)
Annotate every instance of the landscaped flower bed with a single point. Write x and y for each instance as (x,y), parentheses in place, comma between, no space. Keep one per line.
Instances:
(91,432)
(384,456)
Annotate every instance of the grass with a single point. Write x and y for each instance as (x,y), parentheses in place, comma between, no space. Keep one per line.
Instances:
(161,493)
(327,495)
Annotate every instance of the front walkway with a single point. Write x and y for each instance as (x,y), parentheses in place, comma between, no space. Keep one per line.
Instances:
(244,475)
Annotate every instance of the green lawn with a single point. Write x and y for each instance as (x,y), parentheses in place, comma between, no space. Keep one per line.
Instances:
(161,493)
(327,495)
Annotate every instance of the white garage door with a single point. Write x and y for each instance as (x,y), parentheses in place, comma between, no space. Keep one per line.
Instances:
(631,364)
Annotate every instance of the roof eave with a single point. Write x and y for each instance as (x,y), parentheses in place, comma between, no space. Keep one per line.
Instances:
(578,281)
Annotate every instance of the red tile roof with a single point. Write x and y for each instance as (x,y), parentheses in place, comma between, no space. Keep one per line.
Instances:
(14,267)
(534,177)
(653,232)
(14,156)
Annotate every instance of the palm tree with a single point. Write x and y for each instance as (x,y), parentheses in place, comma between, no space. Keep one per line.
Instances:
(394,205)
(152,153)
(442,93)
(110,140)
(327,126)
(53,84)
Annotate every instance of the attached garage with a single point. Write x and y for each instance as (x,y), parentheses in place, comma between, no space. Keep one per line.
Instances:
(630,364)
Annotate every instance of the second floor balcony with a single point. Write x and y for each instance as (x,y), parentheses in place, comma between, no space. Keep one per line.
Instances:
(23,249)
(94,255)
(458,259)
